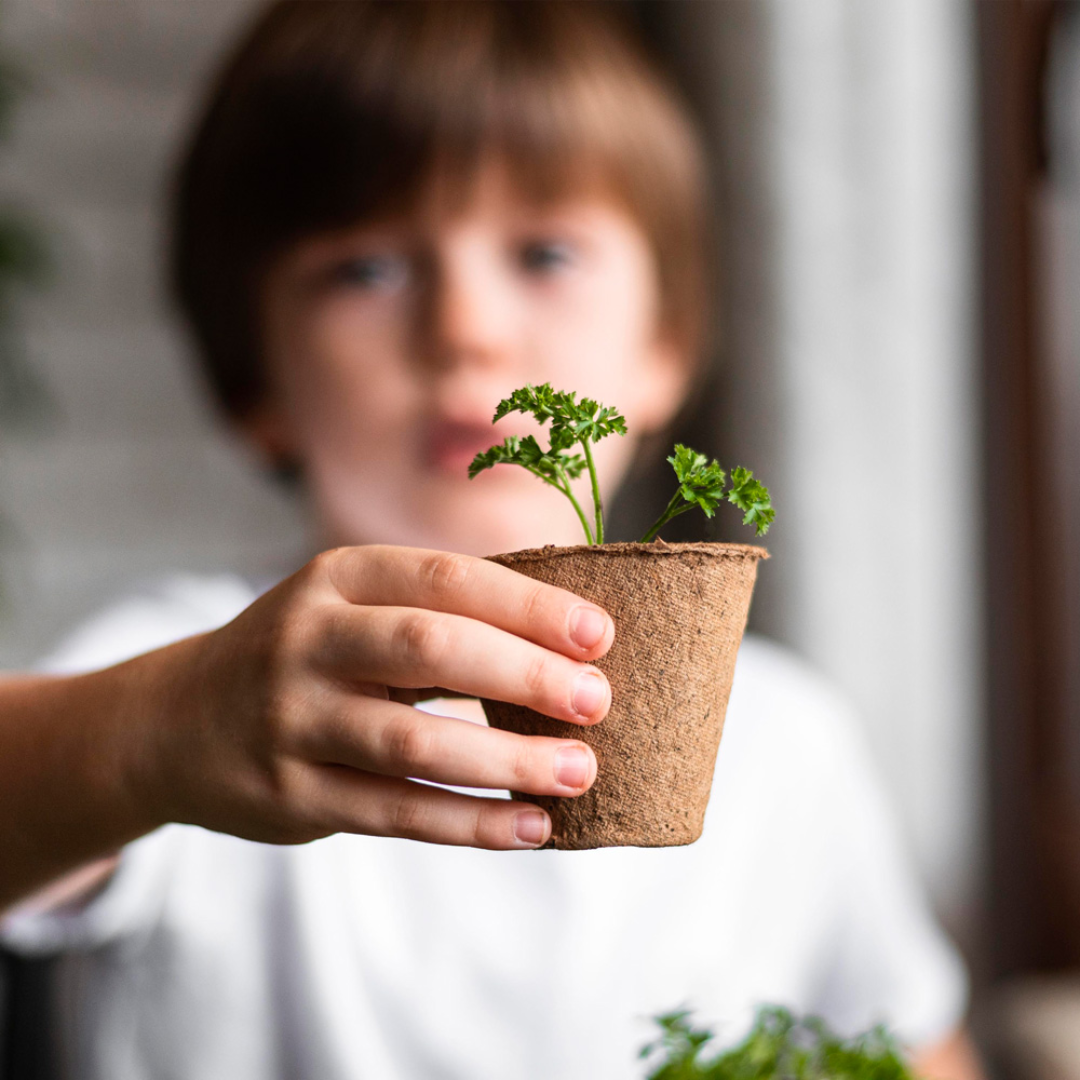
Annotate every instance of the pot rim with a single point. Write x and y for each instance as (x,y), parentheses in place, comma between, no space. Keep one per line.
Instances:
(638,549)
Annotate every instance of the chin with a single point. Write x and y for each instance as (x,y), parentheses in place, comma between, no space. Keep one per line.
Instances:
(489,531)
(471,520)
(496,536)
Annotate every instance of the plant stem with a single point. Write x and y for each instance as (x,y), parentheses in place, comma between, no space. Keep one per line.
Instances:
(580,513)
(595,491)
(564,487)
(672,510)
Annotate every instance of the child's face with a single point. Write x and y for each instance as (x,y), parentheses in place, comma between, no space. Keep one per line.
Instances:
(391,344)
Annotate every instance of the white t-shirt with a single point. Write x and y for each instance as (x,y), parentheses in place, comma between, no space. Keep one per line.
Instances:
(213,958)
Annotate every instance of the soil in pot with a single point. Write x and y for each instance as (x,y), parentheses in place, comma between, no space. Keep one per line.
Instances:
(680,611)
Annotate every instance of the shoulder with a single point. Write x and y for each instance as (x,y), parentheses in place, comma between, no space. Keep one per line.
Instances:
(154,615)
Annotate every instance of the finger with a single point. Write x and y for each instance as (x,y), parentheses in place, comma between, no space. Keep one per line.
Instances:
(396,740)
(346,800)
(412,648)
(476,588)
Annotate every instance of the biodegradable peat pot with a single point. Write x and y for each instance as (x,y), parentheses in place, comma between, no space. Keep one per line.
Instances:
(679,611)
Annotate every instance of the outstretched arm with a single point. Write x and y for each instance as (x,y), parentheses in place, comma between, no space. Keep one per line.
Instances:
(65,795)
(288,723)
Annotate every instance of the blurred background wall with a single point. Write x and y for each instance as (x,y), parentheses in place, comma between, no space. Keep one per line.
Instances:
(117,472)
(844,137)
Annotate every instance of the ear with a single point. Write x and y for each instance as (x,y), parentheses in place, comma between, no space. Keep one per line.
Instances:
(663,385)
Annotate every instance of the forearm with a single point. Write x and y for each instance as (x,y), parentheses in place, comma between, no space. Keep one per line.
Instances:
(71,786)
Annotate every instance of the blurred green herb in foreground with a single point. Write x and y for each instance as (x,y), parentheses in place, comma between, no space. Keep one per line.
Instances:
(779,1047)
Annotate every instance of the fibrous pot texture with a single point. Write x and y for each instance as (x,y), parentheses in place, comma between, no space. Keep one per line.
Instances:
(680,611)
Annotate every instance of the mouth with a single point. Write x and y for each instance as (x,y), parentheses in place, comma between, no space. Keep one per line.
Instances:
(450,446)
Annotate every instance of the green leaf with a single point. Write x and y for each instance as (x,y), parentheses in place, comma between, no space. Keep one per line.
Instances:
(573,423)
(524,450)
(591,421)
(752,498)
(571,420)
(535,401)
(779,1047)
(701,482)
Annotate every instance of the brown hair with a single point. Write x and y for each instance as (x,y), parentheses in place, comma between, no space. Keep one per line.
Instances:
(332,113)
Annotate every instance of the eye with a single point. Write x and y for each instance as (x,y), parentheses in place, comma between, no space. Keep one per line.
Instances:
(383,272)
(545,256)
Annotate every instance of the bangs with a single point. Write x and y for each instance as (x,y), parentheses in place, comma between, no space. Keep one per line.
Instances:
(332,114)
(361,106)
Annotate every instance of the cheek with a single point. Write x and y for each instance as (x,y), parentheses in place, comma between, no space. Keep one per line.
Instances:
(600,338)
(343,377)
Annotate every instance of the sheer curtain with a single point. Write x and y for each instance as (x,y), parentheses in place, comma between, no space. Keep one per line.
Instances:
(843,137)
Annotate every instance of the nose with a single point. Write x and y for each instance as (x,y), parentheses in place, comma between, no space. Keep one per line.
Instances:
(470,317)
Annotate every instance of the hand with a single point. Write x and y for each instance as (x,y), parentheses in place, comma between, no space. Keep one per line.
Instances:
(283,725)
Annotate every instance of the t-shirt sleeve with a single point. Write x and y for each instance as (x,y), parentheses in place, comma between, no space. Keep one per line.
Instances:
(889,959)
(177,608)
(126,906)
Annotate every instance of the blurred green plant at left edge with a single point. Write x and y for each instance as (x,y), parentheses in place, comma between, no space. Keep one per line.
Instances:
(24,404)
(23,263)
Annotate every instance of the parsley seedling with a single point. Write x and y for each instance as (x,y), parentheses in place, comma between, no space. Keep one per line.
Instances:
(577,425)
(779,1047)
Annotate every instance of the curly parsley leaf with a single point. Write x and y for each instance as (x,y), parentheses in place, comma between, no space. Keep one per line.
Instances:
(576,425)
(524,450)
(572,423)
(701,485)
(752,498)
(571,420)
(701,482)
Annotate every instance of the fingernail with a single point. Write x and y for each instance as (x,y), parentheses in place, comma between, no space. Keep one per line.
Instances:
(588,625)
(531,827)
(573,766)
(590,692)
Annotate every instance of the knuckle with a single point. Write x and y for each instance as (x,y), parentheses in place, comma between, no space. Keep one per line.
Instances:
(340,571)
(410,746)
(292,627)
(283,797)
(407,816)
(282,714)
(323,568)
(536,676)
(328,632)
(489,828)
(421,639)
(522,767)
(322,562)
(536,604)
(480,832)
(445,574)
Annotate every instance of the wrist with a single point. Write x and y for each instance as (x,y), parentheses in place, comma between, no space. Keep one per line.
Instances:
(145,748)
(66,788)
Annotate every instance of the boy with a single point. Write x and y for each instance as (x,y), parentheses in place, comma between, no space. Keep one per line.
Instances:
(391,215)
